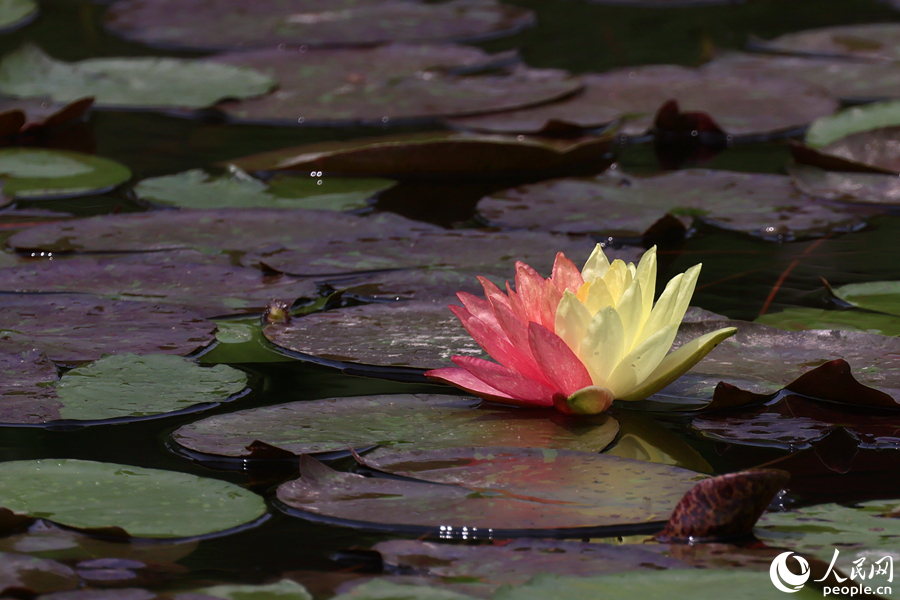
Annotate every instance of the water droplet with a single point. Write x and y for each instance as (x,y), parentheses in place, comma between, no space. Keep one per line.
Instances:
(312,173)
(694,133)
(319,182)
(300,120)
(521,138)
(281,47)
(384,119)
(303,48)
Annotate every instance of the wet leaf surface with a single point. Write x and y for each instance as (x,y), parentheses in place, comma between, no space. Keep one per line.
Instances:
(37,174)
(767,206)
(400,421)
(280,590)
(878,41)
(75,328)
(866,188)
(799,319)
(21,573)
(207,287)
(206,230)
(28,73)
(26,386)
(386,84)
(882,296)
(234,25)
(16,13)
(143,502)
(491,489)
(197,189)
(740,104)
(380,589)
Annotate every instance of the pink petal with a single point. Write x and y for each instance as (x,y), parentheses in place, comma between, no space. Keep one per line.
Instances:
(479,308)
(465,380)
(566,275)
(491,290)
(550,299)
(515,304)
(507,382)
(529,287)
(557,361)
(497,344)
(517,333)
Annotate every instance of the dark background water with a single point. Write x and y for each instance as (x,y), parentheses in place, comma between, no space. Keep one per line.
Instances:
(739,275)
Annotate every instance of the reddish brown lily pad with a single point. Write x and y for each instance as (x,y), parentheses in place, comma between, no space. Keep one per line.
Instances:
(75,328)
(740,104)
(387,84)
(874,41)
(225,229)
(767,206)
(34,115)
(25,387)
(236,25)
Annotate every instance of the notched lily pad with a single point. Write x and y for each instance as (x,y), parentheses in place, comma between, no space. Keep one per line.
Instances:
(235,25)
(490,490)
(873,41)
(206,230)
(400,421)
(197,189)
(142,502)
(76,328)
(134,82)
(741,105)
(387,84)
(766,206)
(38,174)
(23,574)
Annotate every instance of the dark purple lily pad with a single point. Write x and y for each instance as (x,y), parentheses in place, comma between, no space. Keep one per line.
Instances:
(107,594)
(401,421)
(75,328)
(766,206)
(873,41)
(26,386)
(23,574)
(34,115)
(866,188)
(225,229)
(517,561)
(387,84)
(491,489)
(209,289)
(741,105)
(237,25)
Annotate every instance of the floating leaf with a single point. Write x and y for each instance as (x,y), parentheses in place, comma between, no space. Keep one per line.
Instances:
(34,115)
(854,120)
(196,189)
(232,24)
(401,421)
(882,296)
(25,387)
(281,590)
(74,328)
(867,188)
(205,287)
(135,82)
(387,84)
(879,41)
(379,589)
(801,318)
(767,206)
(21,573)
(206,230)
(38,174)
(489,490)
(16,13)
(241,341)
(143,502)
(740,104)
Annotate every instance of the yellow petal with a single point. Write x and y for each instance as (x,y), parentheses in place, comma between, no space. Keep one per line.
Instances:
(602,346)
(598,296)
(685,292)
(572,320)
(662,311)
(617,279)
(631,309)
(596,264)
(646,274)
(678,363)
(641,362)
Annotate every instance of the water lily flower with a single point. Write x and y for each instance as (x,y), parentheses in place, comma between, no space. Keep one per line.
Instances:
(578,340)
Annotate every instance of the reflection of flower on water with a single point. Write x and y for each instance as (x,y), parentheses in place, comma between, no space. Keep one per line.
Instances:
(578,340)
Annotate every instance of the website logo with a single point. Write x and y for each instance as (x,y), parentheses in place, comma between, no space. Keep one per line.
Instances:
(783,578)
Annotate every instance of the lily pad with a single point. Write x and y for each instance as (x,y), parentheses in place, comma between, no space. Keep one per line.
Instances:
(205,230)
(285,589)
(16,13)
(197,189)
(854,120)
(38,174)
(766,206)
(235,25)
(490,490)
(142,502)
(380,589)
(33,115)
(882,296)
(802,318)
(400,421)
(135,82)
(740,104)
(386,85)
(26,384)
(20,572)
(873,41)
(208,288)
(865,188)
(75,328)
(436,154)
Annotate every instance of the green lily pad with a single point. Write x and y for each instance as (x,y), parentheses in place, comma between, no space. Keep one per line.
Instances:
(16,13)
(241,341)
(878,41)
(767,206)
(205,230)
(882,296)
(386,84)
(400,421)
(208,287)
(234,25)
(489,490)
(76,328)
(144,502)
(135,82)
(739,104)
(196,189)
(799,319)
(36,575)
(854,120)
(26,384)
(38,174)
(128,385)
(379,589)
(285,589)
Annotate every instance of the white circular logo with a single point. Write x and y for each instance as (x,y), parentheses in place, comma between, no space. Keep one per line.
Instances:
(784,579)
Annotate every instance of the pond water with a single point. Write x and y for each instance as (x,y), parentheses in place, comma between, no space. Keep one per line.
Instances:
(743,277)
